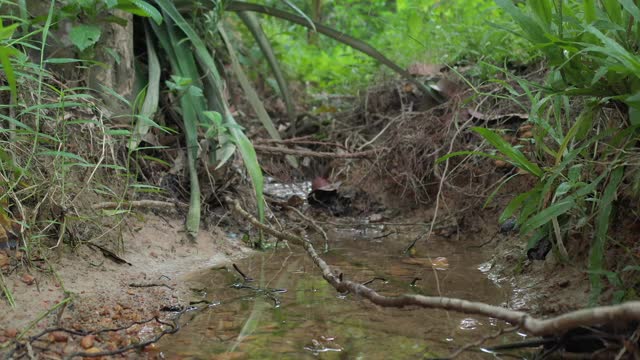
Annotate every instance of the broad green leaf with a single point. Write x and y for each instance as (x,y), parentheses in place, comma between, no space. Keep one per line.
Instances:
(84,36)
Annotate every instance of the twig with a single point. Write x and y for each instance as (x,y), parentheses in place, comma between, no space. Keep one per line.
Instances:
(314,225)
(299,141)
(150,285)
(244,277)
(479,342)
(621,313)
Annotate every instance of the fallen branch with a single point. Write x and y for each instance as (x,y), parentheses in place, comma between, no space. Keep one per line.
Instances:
(309,153)
(622,313)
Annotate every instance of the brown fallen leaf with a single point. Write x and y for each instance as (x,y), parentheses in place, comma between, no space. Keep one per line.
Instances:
(93,350)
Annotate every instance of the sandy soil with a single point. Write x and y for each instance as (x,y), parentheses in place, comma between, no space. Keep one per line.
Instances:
(105,294)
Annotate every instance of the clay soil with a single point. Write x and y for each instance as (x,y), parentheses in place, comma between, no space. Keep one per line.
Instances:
(106,294)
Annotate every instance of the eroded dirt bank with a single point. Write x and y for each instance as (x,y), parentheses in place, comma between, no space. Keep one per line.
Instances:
(101,292)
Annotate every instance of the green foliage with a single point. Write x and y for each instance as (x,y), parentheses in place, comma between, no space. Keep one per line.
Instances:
(425,31)
(86,35)
(592,49)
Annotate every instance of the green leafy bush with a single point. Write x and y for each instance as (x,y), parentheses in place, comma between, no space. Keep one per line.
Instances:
(425,31)
(582,148)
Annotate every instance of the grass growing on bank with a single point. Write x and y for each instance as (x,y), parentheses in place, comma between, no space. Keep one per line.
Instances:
(586,123)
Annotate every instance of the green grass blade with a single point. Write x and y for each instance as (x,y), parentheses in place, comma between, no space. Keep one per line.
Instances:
(252,23)
(150,104)
(532,30)
(509,151)
(545,216)
(613,10)
(589,7)
(596,254)
(251,93)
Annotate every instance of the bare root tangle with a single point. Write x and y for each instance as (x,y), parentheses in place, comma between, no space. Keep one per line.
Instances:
(626,312)
(418,138)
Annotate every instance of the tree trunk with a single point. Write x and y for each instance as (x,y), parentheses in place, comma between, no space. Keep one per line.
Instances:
(117,71)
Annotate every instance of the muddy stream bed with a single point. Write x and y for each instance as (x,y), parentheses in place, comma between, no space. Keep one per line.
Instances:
(295,314)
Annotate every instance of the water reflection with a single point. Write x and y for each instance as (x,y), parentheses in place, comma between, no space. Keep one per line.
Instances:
(313,321)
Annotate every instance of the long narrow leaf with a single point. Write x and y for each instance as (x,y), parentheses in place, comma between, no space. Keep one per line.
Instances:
(252,95)
(252,23)
(596,255)
(204,57)
(509,151)
(546,215)
(338,36)
(150,104)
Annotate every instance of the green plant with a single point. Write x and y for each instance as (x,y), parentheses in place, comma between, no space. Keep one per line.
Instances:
(580,157)
(428,31)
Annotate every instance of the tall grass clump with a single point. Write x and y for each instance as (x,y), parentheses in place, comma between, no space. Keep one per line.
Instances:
(56,147)
(585,119)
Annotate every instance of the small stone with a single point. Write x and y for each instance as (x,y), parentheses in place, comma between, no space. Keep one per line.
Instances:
(93,350)
(150,348)
(58,336)
(87,342)
(11,332)
(28,279)
(508,226)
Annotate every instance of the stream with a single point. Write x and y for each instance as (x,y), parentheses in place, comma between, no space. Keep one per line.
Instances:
(290,312)
(310,320)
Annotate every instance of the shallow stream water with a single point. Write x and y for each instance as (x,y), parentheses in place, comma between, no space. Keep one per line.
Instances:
(312,321)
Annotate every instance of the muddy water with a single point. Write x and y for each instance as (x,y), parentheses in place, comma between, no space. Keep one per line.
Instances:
(310,320)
